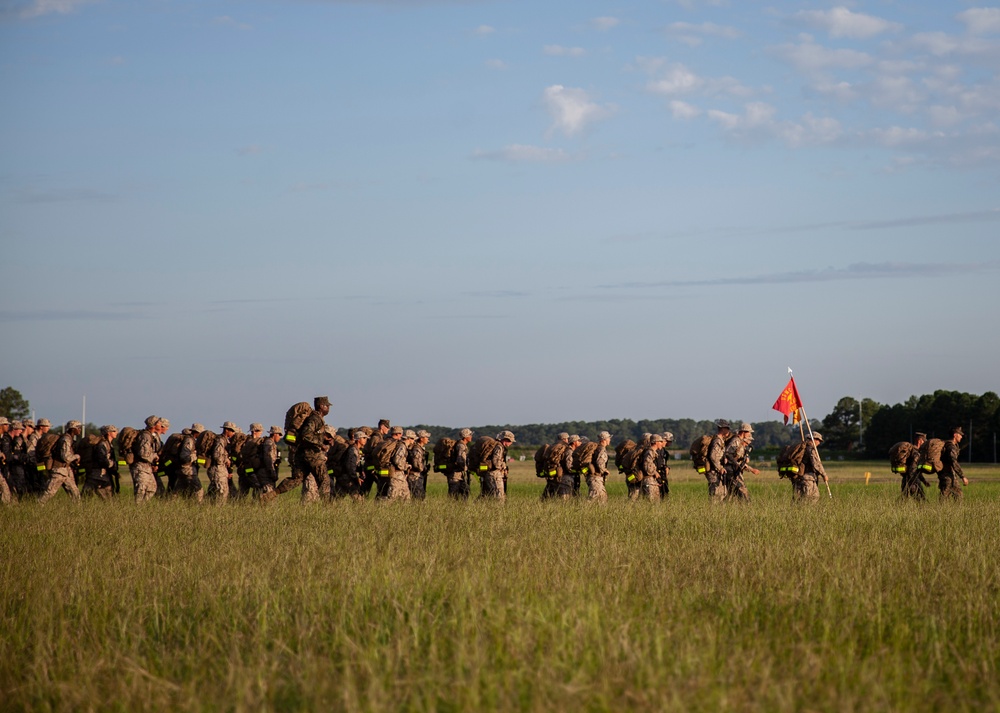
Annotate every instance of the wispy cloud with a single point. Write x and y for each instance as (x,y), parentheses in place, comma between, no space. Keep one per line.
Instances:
(675,78)
(67,315)
(484,30)
(560,51)
(855,271)
(520,153)
(496,64)
(694,35)
(842,22)
(603,24)
(981,20)
(573,110)
(38,8)
(227,21)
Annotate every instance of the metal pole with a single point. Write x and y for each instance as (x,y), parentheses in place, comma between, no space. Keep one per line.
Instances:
(861,428)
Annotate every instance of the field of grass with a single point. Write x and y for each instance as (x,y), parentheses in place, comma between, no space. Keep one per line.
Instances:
(859,603)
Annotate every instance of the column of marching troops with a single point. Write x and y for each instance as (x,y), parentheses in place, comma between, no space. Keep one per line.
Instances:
(395,463)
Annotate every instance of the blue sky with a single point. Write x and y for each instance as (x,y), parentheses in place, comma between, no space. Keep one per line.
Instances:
(486,212)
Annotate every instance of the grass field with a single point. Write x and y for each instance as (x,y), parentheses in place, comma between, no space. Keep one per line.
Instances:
(859,603)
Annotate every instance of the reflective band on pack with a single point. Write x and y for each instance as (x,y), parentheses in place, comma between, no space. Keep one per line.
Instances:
(250,470)
(289,438)
(584,471)
(383,472)
(927,468)
(899,469)
(788,469)
(232,458)
(201,461)
(630,478)
(702,470)
(122,462)
(553,473)
(81,471)
(167,464)
(328,472)
(441,467)
(483,468)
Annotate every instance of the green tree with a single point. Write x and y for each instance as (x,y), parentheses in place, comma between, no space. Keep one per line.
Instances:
(13,405)
(844,426)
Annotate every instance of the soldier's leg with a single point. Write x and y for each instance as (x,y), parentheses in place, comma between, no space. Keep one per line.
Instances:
(651,489)
(145,485)
(5,493)
(596,489)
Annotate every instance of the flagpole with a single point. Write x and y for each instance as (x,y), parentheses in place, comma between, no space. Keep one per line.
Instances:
(809,428)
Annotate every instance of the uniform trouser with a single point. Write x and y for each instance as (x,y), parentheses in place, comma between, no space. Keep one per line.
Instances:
(457,487)
(716,486)
(16,480)
(188,485)
(99,485)
(576,485)
(316,484)
(737,489)
(634,485)
(398,488)
(492,485)
(551,489)
(347,487)
(418,486)
(218,483)
(5,494)
(596,489)
(805,489)
(295,476)
(60,478)
(143,481)
(651,489)
(950,487)
(913,487)
(564,486)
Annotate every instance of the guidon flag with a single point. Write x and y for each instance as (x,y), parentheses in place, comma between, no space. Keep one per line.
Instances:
(788,402)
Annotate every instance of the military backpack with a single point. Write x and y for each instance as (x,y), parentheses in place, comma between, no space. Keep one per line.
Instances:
(930,456)
(540,460)
(442,454)
(126,439)
(85,448)
(699,453)
(203,446)
(335,456)
(620,450)
(170,452)
(790,460)
(898,455)
(295,416)
(383,456)
(252,455)
(480,454)
(583,456)
(43,450)
(554,456)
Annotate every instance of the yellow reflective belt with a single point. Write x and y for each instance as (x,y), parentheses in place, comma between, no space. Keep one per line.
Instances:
(167,464)
(40,467)
(289,438)
(201,461)
(328,472)
(899,469)
(250,470)
(383,472)
(927,468)
(584,471)
(702,470)
(483,468)
(122,462)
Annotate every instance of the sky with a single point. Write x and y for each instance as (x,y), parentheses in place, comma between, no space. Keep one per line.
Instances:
(465,213)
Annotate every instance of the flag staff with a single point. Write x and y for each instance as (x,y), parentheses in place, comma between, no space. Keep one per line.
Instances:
(809,428)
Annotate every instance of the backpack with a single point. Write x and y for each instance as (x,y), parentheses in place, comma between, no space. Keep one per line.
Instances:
(335,456)
(540,460)
(930,456)
(631,463)
(442,454)
(236,442)
(85,449)
(252,454)
(481,452)
(790,460)
(699,453)
(898,455)
(383,455)
(554,455)
(203,447)
(126,439)
(295,416)
(43,450)
(171,450)
(621,450)
(584,454)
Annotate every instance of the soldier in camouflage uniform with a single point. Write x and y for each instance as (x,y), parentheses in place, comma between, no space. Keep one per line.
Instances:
(597,472)
(913,481)
(312,447)
(64,457)
(6,494)
(494,479)
(952,472)
(267,474)
(663,463)
(419,464)
(352,467)
(648,469)
(566,488)
(375,439)
(99,479)
(188,483)
(458,470)
(397,487)
(17,460)
(806,487)
(551,489)
(737,462)
(36,476)
(219,461)
(146,451)
(716,473)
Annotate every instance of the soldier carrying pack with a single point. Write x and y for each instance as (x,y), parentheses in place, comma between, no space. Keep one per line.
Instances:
(790,460)
(480,454)
(699,453)
(442,454)
(898,455)
(126,439)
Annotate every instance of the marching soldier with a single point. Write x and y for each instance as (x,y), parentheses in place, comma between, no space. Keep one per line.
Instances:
(597,473)
(737,462)
(100,474)
(806,488)
(952,472)
(311,452)
(64,457)
(458,472)
(716,473)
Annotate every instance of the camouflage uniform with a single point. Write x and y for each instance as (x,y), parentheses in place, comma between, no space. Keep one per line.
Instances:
(311,453)
(417,479)
(649,472)
(913,480)
(61,474)
(458,483)
(662,464)
(736,461)
(218,469)
(716,473)
(806,486)
(598,473)
(146,450)
(632,459)
(951,476)
(188,483)
(567,478)
(350,474)
(496,472)
(267,474)
(99,475)
(6,497)
(17,461)
(35,477)
(397,487)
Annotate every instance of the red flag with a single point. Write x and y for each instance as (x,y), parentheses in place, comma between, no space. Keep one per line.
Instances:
(789,402)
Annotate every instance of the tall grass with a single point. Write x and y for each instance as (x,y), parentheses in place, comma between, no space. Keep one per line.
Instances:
(858,603)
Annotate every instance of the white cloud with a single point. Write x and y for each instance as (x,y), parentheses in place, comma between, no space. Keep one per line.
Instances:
(758,123)
(941,44)
(560,51)
(843,92)
(484,30)
(683,110)
(841,22)
(809,57)
(693,35)
(672,79)
(604,23)
(37,8)
(981,20)
(519,153)
(496,64)
(572,110)
(944,115)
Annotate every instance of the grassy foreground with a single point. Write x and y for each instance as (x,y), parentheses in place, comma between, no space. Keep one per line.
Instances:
(859,603)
